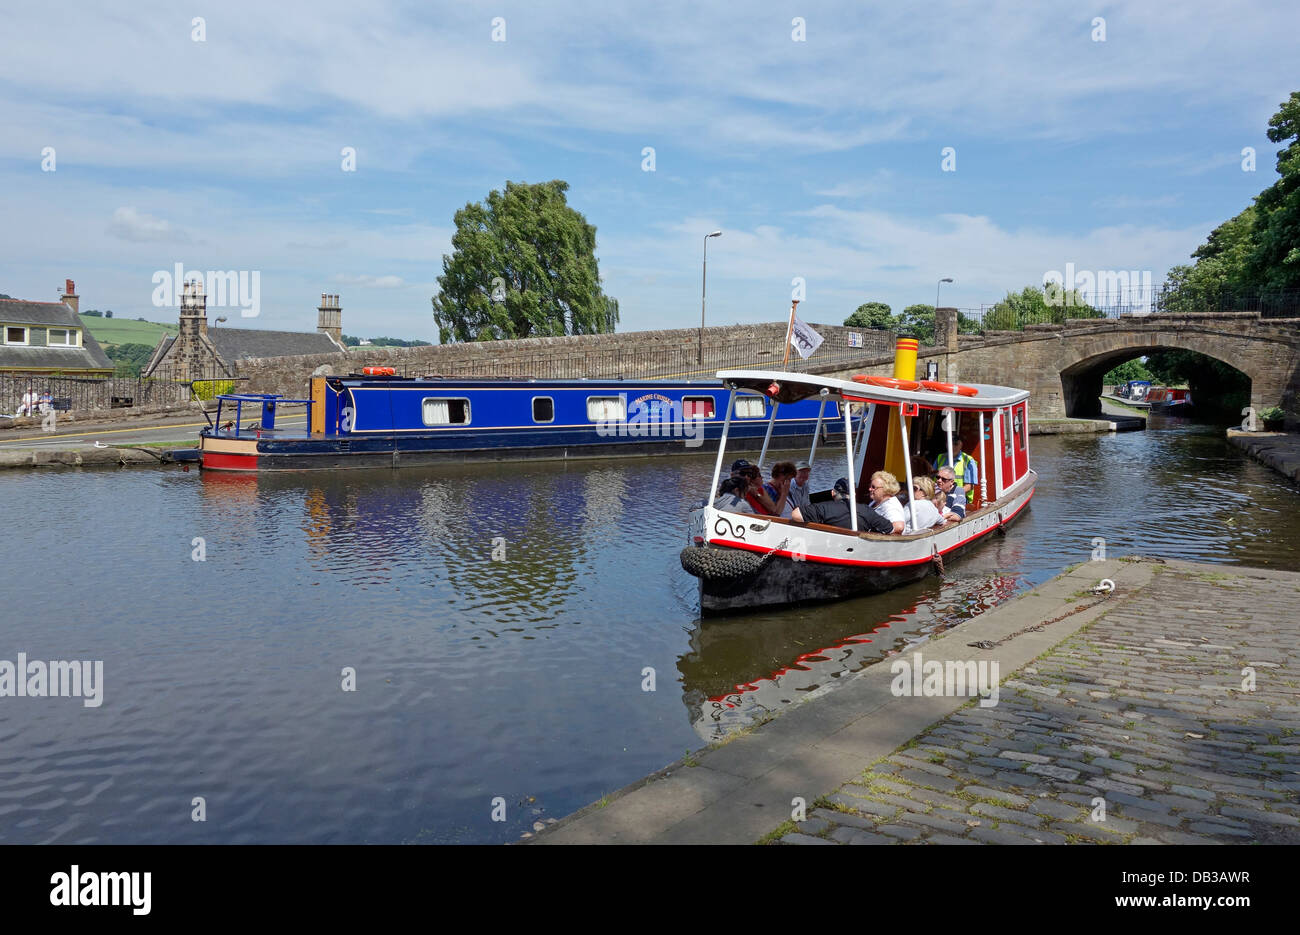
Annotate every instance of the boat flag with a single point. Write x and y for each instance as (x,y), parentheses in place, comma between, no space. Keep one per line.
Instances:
(805,339)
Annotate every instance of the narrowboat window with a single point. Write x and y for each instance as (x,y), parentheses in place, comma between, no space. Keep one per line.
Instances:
(543,409)
(1006,436)
(446,412)
(1020,430)
(750,407)
(698,407)
(15,335)
(606,409)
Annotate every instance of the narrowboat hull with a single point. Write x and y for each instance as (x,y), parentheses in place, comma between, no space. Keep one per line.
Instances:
(334,453)
(821,568)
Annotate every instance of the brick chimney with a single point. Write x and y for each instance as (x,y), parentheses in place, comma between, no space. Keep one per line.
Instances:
(70,297)
(329,318)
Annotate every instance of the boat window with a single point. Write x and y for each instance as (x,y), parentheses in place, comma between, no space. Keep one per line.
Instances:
(1020,429)
(750,407)
(698,407)
(1006,435)
(606,409)
(446,412)
(543,409)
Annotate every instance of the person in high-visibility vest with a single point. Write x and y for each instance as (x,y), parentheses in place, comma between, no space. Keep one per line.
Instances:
(963,465)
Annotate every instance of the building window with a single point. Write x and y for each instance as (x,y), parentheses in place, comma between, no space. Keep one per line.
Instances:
(62,337)
(606,409)
(14,335)
(543,409)
(698,407)
(446,412)
(750,407)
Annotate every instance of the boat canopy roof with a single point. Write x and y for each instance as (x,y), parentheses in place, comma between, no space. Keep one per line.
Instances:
(797,386)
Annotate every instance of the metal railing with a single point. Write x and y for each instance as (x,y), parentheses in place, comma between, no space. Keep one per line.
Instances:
(1136,302)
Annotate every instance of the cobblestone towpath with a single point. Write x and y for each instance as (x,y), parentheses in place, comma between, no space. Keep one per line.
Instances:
(1168,712)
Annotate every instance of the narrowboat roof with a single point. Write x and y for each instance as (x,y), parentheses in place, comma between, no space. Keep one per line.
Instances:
(797,386)
(398,382)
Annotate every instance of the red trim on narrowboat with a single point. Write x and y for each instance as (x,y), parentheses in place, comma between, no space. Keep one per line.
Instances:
(214,461)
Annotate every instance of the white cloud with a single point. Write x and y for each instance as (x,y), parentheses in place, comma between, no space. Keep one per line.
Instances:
(130,224)
(372,282)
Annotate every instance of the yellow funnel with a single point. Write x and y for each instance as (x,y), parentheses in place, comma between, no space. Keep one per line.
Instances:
(904,369)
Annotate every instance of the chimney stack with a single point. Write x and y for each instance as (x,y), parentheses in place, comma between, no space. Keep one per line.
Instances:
(70,297)
(329,318)
(190,357)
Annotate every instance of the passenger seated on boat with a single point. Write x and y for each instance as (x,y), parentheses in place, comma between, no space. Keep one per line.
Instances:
(954,494)
(731,496)
(927,514)
(835,512)
(779,489)
(884,498)
(965,467)
(755,495)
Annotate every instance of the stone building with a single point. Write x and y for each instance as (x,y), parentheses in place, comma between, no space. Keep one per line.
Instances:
(198,352)
(48,338)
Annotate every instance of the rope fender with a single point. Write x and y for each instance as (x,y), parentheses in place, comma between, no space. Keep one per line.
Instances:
(725,564)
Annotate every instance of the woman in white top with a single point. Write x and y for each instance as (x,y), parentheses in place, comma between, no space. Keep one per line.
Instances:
(927,515)
(884,498)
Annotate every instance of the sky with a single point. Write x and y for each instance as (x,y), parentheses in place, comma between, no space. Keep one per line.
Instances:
(860,152)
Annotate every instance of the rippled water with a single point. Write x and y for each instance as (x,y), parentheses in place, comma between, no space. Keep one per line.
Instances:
(520,679)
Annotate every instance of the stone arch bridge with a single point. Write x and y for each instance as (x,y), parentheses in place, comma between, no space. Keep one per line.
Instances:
(1062,365)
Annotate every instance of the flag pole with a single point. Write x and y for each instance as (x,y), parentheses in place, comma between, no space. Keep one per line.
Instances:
(785,361)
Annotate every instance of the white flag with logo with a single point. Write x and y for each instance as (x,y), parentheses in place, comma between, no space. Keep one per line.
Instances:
(805,340)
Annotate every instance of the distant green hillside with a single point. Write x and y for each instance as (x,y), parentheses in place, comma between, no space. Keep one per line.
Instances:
(110,331)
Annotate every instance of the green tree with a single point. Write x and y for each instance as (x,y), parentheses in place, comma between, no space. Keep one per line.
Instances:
(128,359)
(1129,370)
(1274,262)
(1034,305)
(1220,267)
(524,265)
(871,315)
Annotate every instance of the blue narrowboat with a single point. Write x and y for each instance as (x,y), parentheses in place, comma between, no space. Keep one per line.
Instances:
(382,420)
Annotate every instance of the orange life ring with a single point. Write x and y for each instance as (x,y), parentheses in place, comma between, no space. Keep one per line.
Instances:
(950,388)
(378,371)
(892,383)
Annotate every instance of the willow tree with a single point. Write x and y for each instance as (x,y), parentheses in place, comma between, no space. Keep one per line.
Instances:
(523,266)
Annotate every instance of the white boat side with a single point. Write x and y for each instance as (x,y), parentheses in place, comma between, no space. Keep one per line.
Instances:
(797,386)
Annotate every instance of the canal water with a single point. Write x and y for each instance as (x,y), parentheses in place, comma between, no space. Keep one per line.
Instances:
(501,624)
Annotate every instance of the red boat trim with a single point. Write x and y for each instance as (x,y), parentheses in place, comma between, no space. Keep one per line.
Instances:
(808,557)
(213,461)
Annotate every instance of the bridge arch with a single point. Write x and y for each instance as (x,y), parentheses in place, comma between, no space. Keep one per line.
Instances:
(1081,381)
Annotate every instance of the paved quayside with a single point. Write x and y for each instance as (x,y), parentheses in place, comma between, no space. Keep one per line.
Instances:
(1279,450)
(1134,706)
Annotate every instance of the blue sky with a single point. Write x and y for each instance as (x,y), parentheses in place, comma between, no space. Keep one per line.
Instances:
(819,158)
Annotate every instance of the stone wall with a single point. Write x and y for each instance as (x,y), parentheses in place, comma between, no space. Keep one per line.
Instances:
(627,354)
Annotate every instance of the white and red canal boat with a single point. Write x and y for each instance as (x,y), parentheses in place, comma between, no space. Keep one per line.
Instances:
(743,560)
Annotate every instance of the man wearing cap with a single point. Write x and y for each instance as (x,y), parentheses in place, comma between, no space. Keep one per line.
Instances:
(835,512)
(800,492)
(966,468)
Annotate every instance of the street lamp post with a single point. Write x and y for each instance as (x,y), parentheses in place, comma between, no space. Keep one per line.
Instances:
(704,279)
(937,287)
